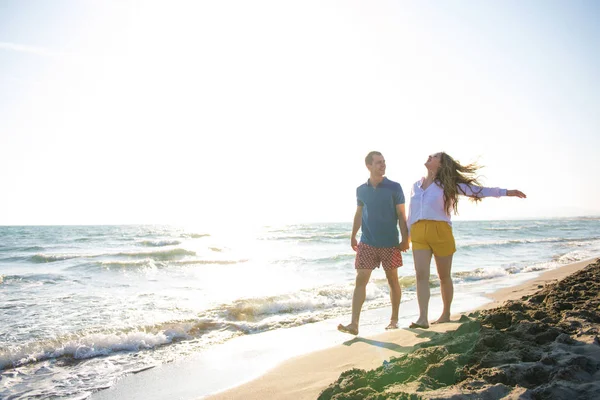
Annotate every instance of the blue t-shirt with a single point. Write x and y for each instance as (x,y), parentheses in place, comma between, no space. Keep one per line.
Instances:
(379,218)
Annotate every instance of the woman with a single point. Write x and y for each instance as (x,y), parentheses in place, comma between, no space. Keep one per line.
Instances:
(433,198)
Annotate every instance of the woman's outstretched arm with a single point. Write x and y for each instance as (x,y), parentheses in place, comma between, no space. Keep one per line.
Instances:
(480,191)
(516,193)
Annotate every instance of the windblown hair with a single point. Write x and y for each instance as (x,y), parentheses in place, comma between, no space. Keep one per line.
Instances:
(450,175)
(369,157)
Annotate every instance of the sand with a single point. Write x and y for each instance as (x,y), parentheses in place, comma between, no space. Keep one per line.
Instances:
(535,340)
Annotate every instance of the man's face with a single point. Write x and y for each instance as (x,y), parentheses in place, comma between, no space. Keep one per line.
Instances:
(377,167)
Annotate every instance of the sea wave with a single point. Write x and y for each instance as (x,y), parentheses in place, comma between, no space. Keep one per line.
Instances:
(309,305)
(88,345)
(194,235)
(159,255)
(480,274)
(145,263)
(312,237)
(32,278)
(332,259)
(485,273)
(22,248)
(406,282)
(48,258)
(162,255)
(504,228)
(159,243)
(152,263)
(101,343)
(255,309)
(511,242)
(208,262)
(574,256)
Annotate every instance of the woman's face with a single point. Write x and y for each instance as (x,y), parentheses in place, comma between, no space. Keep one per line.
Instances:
(433,162)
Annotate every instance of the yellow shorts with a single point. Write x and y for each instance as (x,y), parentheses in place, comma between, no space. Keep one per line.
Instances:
(433,235)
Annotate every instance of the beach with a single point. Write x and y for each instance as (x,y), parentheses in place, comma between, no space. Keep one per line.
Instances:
(152,312)
(540,337)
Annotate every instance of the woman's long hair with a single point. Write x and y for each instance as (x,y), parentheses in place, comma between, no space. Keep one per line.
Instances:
(450,174)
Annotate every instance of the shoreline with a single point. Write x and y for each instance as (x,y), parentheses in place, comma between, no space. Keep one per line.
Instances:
(306,376)
(301,362)
(498,297)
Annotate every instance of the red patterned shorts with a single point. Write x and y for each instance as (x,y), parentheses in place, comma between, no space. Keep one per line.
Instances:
(369,257)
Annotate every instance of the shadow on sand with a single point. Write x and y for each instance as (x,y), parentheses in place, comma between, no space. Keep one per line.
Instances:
(386,345)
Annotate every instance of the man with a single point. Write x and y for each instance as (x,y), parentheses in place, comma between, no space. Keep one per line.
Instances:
(380,207)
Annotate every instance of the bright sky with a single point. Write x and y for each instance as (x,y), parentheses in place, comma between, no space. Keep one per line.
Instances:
(193,111)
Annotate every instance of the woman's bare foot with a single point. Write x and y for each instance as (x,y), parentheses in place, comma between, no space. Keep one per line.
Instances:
(350,328)
(415,325)
(442,319)
(393,324)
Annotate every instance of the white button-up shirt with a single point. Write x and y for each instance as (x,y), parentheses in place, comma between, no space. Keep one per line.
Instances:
(429,203)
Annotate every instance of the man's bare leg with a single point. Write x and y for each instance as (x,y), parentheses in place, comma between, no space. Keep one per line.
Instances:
(395,296)
(358,298)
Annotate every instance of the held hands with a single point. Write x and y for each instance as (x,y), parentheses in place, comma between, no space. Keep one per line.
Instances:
(516,193)
(354,244)
(403,245)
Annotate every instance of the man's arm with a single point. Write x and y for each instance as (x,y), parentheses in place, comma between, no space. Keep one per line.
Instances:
(356,226)
(400,210)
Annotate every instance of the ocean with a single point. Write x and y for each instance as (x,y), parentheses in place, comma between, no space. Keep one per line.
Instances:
(83,306)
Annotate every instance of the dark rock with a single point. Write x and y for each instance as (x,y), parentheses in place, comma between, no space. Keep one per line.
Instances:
(468,327)
(531,354)
(538,314)
(494,375)
(548,360)
(494,340)
(565,339)
(537,298)
(515,305)
(355,394)
(444,372)
(499,320)
(533,376)
(464,318)
(547,336)
(588,364)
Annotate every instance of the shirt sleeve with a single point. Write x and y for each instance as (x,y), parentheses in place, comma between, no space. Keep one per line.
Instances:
(359,202)
(480,191)
(399,196)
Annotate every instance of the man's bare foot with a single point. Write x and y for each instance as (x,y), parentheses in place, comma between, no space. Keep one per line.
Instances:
(350,328)
(393,324)
(417,324)
(442,319)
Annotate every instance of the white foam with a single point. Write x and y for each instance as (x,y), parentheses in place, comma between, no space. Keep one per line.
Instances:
(88,346)
(247,357)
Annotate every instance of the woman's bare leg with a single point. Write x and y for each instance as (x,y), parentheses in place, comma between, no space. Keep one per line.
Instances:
(444,269)
(422,259)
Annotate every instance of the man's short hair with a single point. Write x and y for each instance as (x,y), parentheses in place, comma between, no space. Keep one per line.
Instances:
(369,157)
